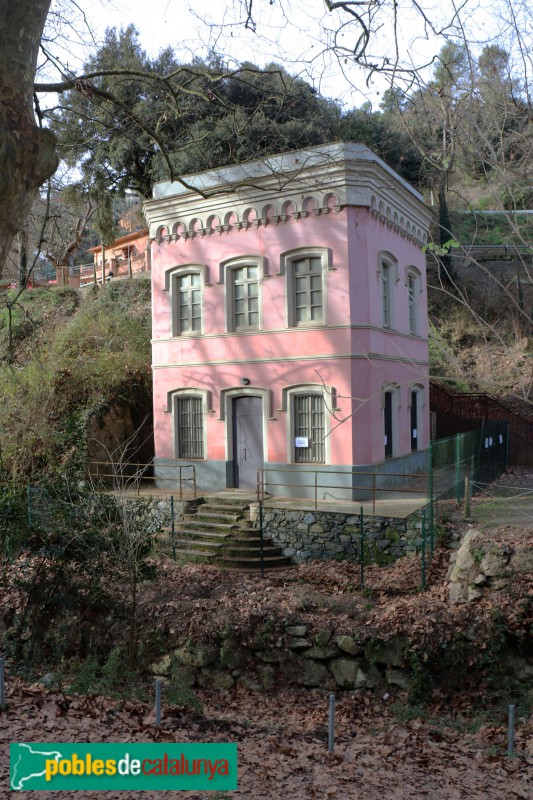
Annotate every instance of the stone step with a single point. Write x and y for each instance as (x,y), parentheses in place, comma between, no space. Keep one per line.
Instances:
(221,508)
(194,544)
(214,516)
(249,553)
(197,534)
(254,563)
(196,524)
(197,556)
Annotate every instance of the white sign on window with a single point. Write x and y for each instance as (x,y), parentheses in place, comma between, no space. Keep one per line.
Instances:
(486,443)
(385,440)
(301,441)
(490,441)
(501,439)
(414,435)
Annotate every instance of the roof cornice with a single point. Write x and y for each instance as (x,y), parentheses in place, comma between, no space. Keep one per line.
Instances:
(317,180)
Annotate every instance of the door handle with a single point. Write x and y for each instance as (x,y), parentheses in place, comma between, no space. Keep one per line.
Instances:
(244,453)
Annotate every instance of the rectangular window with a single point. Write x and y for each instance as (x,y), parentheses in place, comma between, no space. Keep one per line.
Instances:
(245,298)
(190,427)
(309,429)
(307,290)
(412,300)
(189,304)
(385,296)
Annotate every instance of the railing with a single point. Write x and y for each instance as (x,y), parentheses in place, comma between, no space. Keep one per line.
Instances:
(130,475)
(475,406)
(84,275)
(370,486)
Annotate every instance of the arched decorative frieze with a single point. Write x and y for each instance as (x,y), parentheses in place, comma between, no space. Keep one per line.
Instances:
(331,202)
(195,226)
(230,220)
(269,213)
(213,223)
(249,217)
(178,230)
(161,234)
(236,217)
(309,206)
(288,209)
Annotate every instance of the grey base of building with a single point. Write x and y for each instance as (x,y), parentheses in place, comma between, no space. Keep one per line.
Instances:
(326,483)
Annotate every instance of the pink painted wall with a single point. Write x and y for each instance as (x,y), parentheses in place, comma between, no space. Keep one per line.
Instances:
(345,357)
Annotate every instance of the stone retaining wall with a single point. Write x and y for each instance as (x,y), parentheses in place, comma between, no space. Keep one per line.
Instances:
(322,535)
(322,660)
(309,535)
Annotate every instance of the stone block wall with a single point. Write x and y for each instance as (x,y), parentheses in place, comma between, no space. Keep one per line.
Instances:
(297,657)
(324,535)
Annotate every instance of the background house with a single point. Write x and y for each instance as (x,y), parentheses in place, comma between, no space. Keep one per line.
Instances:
(290,321)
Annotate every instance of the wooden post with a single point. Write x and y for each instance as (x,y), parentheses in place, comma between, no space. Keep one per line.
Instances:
(103,264)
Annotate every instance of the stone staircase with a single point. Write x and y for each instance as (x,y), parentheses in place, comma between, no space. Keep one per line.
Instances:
(220,531)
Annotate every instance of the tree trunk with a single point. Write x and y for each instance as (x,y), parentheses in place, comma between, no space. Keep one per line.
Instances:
(23,259)
(27,153)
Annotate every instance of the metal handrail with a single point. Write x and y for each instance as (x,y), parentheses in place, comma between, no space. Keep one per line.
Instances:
(139,475)
(315,472)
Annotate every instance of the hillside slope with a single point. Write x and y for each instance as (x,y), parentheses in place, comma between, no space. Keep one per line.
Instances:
(65,357)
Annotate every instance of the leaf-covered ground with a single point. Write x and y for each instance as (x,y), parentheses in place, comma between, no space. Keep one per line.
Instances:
(282,744)
(452,748)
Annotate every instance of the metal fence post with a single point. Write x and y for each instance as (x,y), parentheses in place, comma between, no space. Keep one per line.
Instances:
(423,550)
(467,498)
(362,546)
(172,526)
(158,701)
(510,731)
(430,487)
(261,540)
(458,467)
(331,723)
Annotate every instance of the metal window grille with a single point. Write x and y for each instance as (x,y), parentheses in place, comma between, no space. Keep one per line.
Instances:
(245,298)
(385,295)
(307,285)
(190,427)
(309,425)
(189,304)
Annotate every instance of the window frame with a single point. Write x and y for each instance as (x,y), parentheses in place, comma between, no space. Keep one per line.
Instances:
(413,301)
(287,268)
(316,449)
(418,391)
(289,393)
(183,394)
(172,280)
(394,392)
(227,270)
(387,277)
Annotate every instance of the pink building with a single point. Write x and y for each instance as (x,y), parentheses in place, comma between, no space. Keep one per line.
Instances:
(290,321)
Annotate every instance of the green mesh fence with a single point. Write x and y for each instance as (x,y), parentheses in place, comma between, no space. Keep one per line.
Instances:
(480,455)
